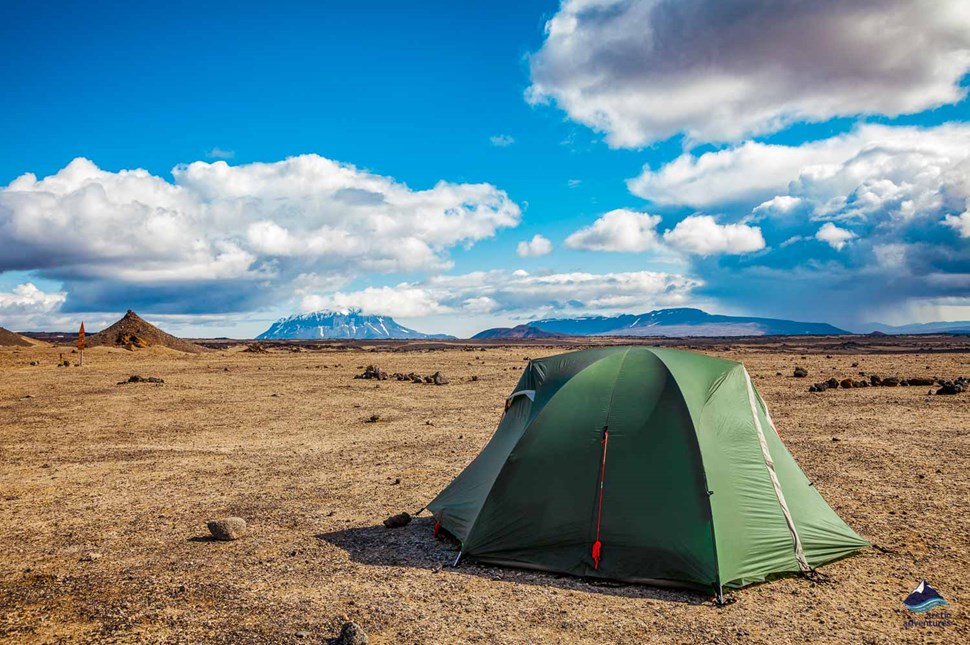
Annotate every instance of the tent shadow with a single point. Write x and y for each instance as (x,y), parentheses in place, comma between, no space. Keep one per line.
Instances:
(414,546)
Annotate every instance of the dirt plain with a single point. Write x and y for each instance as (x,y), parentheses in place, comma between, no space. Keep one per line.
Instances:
(105,490)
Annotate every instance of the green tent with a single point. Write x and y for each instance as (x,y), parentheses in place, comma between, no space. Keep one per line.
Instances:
(641,464)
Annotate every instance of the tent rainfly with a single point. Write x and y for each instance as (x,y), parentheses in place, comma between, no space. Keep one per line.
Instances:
(641,464)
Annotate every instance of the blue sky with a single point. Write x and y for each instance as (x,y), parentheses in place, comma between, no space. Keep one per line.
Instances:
(746,158)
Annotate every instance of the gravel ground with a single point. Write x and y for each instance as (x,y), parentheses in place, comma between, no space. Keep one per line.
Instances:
(105,490)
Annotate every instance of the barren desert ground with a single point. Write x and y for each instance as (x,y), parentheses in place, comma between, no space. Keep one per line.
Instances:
(105,490)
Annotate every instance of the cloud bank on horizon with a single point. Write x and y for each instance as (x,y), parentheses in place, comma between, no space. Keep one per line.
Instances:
(869,217)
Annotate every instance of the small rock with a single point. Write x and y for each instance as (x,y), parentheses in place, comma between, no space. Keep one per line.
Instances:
(397,521)
(474,377)
(351,634)
(950,388)
(227,528)
(396,482)
(833,382)
(439,379)
(302,634)
(890,381)
(855,365)
(374,418)
(847,383)
(90,556)
(834,439)
(875,380)
(800,372)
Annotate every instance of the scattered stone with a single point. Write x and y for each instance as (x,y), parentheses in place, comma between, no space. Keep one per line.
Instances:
(439,379)
(875,380)
(374,418)
(396,482)
(801,372)
(833,383)
(474,377)
(35,362)
(890,381)
(227,528)
(397,521)
(134,378)
(302,634)
(834,439)
(90,556)
(351,634)
(371,372)
(255,348)
(855,365)
(950,388)
(921,381)
(847,383)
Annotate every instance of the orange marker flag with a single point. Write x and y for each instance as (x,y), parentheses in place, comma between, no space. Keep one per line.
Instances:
(80,337)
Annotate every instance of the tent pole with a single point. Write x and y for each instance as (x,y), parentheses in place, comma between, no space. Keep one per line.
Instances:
(457,560)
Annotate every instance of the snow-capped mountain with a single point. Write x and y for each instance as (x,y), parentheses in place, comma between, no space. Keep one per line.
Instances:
(682,322)
(348,323)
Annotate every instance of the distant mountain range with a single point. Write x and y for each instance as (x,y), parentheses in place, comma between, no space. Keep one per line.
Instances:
(349,324)
(954,327)
(682,322)
(519,331)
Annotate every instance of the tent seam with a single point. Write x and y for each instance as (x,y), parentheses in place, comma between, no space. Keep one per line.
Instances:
(770,466)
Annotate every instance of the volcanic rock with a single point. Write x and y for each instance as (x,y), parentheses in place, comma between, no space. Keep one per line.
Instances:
(351,634)
(397,521)
(227,528)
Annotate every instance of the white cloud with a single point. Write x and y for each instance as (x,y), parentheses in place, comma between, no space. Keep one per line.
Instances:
(26,305)
(629,231)
(252,227)
(960,223)
(220,153)
(501,140)
(574,183)
(875,172)
(535,247)
(517,293)
(619,230)
(401,301)
(642,71)
(834,236)
(702,235)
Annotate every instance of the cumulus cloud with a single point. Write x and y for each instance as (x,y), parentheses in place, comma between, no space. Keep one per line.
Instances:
(702,235)
(624,230)
(904,171)
(892,199)
(644,70)
(620,230)
(834,236)
(226,236)
(26,305)
(517,293)
(960,223)
(535,247)
(501,140)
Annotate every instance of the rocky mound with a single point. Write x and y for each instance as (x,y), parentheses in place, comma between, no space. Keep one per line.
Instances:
(519,331)
(10,339)
(131,332)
